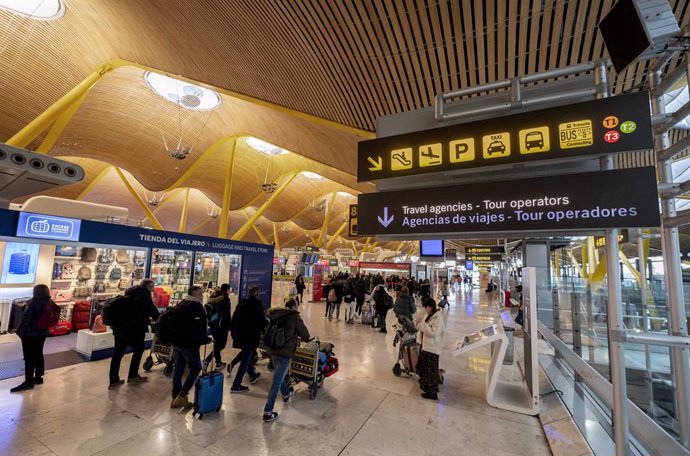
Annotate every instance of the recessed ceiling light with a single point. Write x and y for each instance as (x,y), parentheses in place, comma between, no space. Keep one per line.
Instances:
(313,176)
(35,9)
(264,147)
(182,93)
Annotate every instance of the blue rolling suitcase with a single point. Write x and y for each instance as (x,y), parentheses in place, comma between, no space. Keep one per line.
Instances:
(208,393)
(19,263)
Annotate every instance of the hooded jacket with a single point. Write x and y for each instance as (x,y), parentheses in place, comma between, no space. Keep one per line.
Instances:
(404,305)
(140,310)
(33,311)
(294,328)
(432,332)
(248,322)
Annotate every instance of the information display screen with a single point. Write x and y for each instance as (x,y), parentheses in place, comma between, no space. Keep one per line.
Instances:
(593,128)
(624,198)
(431,248)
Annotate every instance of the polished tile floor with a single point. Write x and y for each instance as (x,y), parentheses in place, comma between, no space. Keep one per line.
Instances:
(362,410)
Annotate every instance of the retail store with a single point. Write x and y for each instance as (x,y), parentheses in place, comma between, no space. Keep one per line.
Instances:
(85,263)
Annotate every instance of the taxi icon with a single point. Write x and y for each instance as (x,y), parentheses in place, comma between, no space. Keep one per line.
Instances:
(534,139)
(496,147)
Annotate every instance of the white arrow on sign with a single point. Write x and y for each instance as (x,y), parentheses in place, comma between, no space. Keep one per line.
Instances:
(385,221)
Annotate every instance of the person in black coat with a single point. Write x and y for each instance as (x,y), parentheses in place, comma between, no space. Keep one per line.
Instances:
(140,312)
(219,320)
(33,339)
(248,323)
(361,291)
(300,285)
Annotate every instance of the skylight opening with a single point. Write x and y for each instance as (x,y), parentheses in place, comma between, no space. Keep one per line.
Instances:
(313,176)
(35,9)
(264,147)
(182,93)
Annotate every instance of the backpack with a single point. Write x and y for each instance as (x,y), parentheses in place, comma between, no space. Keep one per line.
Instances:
(115,311)
(332,295)
(388,301)
(275,336)
(106,256)
(212,312)
(84,274)
(49,317)
(167,326)
(66,271)
(116,274)
(88,255)
(413,306)
(57,270)
(99,287)
(122,257)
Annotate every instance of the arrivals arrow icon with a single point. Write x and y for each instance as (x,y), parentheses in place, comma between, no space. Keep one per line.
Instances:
(385,221)
(377,165)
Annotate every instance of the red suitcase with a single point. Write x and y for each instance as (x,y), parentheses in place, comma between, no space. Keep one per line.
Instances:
(62,328)
(81,306)
(507,302)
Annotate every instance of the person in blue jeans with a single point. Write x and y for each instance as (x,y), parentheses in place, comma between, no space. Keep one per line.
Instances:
(191,334)
(248,323)
(289,319)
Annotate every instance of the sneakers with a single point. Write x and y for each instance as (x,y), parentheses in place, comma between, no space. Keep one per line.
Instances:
(20,388)
(430,396)
(181,402)
(254,379)
(115,385)
(138,379)
(239,389)
(220,366)
(38,381)
(289,395)
(271,416)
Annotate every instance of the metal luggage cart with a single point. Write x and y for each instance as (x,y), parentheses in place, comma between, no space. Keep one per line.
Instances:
(305,367)
(163,355)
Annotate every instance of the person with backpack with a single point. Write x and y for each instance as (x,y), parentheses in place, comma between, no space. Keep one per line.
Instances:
(338,289)
(190,333)
(282,339)
(248,323)
(218,312)
(41,313)
(404,304)
(331,298)
(129,320)
(383,302)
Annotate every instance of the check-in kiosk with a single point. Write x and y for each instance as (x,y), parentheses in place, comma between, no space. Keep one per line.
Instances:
(520,397)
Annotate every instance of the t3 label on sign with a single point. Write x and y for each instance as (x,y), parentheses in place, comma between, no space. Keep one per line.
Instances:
(569,203)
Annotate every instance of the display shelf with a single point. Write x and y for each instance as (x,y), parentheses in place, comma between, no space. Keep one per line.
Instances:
(62,280)
(58,257)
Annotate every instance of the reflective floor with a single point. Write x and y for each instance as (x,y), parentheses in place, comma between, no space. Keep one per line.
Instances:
(362,410)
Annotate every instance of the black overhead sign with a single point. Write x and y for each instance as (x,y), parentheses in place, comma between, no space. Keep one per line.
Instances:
(488,257)
(485,250)
(625,198)
(598,127)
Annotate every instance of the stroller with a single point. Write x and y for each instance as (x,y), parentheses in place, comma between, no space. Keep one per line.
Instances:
(408,348)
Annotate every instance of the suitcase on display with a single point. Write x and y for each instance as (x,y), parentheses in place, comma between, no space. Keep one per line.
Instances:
(411,354)
(208,393)
(19,263)
(81,306)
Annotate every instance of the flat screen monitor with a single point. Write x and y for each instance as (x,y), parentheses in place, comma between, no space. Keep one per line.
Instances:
(624,34)
(432,248)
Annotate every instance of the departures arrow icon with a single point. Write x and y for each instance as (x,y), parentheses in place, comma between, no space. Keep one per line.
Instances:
(377,165)
(385,221)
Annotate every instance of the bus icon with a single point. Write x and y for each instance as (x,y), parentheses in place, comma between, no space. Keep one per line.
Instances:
(534,139)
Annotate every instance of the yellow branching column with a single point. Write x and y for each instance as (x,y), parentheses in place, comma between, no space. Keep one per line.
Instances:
(227,191)
(183,216)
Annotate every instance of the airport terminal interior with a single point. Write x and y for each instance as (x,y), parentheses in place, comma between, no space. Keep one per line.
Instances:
(363,227)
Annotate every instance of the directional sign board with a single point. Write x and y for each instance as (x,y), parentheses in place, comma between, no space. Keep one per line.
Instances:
(571,203)
(352,221)
(484,258)
(593,128)
(486,250)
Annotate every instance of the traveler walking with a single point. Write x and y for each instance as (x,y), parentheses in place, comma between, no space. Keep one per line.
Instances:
(218,311)
(289,320)
(350,301)
(190,334)
(404,304)
(360,292)
(383,302)
(129,330)
(248,322)
(300,285)
(40,314)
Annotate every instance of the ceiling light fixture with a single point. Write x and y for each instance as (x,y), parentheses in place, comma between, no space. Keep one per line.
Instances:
(35,9)
(264,147)
(182,93)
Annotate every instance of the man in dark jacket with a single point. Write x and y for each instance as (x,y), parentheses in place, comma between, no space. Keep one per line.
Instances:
(140,311)
(218,312)
(294,330)
(404,304)
(360,293)
(248,322)
(192,333)
(381,300)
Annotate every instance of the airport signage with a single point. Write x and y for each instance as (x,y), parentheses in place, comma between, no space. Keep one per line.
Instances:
(485,250)
(352,221)
(484,258)
(593,128)
(600,241)
(41,226)
(625,198)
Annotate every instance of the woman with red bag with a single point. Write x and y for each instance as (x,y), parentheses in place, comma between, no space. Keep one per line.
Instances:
(41,313)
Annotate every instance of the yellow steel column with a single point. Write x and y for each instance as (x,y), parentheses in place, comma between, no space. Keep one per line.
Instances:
(366,245)
(276,239)
(337,233)
(200,225)
(354,248)
(326,219)
(50,115)
(142,205)
(183,216)
(168,198)
(93,183)
(225,208)
(256,229)
(59,125)
(248,224)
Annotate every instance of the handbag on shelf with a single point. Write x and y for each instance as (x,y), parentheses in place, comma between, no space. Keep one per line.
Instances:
(67,271)
(106,256)
(82,292)
(122,257)
(88,255)
(61,295)
(99,287)
(98,325)
(116,274)
(65,251)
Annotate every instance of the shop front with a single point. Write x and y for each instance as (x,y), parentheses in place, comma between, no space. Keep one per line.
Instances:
(393,270)
(85,263)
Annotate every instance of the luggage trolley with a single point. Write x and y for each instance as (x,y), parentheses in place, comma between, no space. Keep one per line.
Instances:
(163,354)
(305,366)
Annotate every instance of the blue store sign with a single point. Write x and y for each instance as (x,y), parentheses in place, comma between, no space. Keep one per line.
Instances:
(41,226)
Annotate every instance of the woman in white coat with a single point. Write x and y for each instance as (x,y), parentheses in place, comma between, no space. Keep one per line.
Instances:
(432,330)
